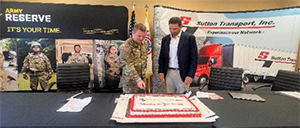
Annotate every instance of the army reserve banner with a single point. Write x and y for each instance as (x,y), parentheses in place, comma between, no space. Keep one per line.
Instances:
(38,40)
(37,20)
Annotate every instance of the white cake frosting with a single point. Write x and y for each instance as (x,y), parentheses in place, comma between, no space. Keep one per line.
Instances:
(164,102)
(162,105)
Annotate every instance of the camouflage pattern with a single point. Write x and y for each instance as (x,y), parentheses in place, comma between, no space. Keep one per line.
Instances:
(77,58)
(1,60)
(42,78)
(112,73)
(39,69)
(134,64)
(114,65)
(3,80)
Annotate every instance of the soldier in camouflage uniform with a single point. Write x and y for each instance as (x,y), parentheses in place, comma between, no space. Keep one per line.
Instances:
(77,57)
(133,54)
(38,67)
(3,80)
(112,73)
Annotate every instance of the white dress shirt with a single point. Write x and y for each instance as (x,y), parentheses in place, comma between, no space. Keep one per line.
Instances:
(173,62)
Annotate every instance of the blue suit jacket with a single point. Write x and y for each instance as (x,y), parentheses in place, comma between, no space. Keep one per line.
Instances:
(187,55)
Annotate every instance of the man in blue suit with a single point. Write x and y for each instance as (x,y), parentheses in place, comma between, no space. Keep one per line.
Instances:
(178,58)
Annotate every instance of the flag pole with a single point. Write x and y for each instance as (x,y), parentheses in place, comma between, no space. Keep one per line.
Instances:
(148,76)
(133,5)
(146,7)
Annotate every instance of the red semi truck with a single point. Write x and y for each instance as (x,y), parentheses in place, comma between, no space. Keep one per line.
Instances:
(208,55)
(257,62)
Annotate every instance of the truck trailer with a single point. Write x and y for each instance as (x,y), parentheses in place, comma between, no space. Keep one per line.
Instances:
(257,62)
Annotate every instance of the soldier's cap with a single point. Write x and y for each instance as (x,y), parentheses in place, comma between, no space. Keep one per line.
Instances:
(36,44)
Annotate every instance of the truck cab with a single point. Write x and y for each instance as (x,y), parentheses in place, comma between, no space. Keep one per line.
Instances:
(209,55)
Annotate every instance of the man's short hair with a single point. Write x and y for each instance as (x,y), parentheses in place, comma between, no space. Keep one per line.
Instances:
(175,20)
(140,26)
(77,45)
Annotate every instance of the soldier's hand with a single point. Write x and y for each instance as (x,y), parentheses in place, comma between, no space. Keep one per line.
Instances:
(25,76)
(141,84)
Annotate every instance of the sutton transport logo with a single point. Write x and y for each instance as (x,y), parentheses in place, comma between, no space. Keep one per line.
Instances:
(263,56)
(185,20)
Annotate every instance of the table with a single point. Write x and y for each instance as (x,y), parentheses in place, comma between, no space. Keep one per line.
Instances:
(38,109)
(33,110)
(277,111)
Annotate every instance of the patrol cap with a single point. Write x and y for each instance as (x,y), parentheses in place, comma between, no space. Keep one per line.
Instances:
(35,44)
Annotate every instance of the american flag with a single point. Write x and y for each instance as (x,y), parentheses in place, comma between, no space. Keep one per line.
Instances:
(132,23)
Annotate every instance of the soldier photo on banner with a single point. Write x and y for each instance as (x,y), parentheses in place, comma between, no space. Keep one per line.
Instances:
(36,60)
(75,51)
(8,65)
(3,81)
(113,68)
(77,56)
(107,64)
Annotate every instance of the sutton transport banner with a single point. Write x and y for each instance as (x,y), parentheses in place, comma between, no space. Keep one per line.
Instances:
(37,20)
(276,29)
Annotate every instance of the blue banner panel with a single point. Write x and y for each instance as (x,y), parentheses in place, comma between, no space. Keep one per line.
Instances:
(39,20)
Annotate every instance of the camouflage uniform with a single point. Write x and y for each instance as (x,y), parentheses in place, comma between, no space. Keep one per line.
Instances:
(77,58)
(3,80)
(134,63)
(39,69)
(1,60)
(112,74)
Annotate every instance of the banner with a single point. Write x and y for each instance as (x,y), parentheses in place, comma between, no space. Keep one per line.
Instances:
(276,29)
(38,40)
(37,20)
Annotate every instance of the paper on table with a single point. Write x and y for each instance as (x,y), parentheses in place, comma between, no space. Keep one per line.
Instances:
(188,94)
(75,105)
(212,96)
(202,94)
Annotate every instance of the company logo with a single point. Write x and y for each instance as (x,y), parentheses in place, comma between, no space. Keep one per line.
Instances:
(185,20)
(263,55)
(100,31)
